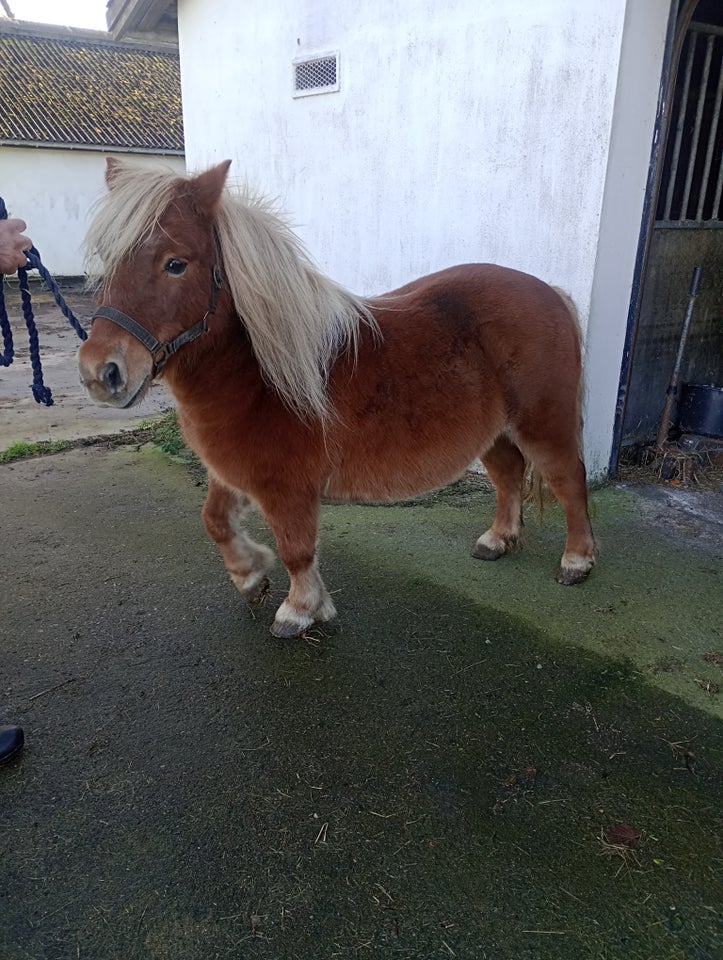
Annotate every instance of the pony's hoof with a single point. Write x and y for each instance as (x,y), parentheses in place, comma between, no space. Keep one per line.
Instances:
(257,596)
(290,622)
(482,552)
(252,586)
(569,575)
(491,547)
(286,630)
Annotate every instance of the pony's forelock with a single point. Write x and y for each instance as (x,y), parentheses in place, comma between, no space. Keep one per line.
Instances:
(126,215)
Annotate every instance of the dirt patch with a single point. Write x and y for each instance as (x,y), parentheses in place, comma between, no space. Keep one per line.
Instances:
(689,517)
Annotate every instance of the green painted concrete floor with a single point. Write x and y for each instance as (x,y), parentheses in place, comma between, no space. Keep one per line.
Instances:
(433,775)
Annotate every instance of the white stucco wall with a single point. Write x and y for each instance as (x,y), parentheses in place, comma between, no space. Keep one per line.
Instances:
(53,191)
(462,131)
(636,101)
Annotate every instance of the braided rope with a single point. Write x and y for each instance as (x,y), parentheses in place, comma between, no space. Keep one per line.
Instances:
(41,393)
(35,263)
(8,354)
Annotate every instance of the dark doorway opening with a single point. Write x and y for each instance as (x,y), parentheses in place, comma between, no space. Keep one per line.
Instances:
(683,229)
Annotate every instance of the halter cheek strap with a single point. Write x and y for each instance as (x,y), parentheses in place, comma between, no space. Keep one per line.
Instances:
(162,351)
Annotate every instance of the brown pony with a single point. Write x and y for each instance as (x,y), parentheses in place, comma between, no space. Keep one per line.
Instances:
(291,389)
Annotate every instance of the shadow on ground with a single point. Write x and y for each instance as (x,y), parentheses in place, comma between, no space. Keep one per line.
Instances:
(429,777)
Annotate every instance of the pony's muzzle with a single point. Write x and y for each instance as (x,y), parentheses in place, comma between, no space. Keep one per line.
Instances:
(107,379)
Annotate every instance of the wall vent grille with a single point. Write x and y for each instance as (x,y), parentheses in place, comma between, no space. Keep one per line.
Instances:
(314,75)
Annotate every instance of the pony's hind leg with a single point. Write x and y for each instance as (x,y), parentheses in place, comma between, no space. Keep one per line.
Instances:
(564,472)
(505,467)
(294,524)
(247,562)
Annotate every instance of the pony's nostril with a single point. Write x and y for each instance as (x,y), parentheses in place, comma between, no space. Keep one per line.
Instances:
(111,377)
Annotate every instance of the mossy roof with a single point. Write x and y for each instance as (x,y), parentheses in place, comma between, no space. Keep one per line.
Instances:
(80,88)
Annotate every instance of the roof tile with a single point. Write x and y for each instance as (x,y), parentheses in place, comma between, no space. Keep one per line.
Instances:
(85,90)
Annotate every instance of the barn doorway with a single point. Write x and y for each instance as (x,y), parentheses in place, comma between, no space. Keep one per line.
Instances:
(683,229)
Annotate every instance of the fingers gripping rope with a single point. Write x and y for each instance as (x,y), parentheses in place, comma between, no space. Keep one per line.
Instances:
(41,393)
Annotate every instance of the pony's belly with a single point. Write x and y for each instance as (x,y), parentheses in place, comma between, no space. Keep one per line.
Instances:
(423,442)
(382,481)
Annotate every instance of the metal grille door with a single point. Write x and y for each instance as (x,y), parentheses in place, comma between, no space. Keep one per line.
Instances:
(694,159)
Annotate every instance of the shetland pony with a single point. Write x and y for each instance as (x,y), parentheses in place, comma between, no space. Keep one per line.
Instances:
(291,389)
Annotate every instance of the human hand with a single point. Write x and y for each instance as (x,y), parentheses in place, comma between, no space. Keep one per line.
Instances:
(13,245)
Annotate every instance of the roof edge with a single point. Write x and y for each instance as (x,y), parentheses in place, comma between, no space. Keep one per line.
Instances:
(151,42)
(92,147)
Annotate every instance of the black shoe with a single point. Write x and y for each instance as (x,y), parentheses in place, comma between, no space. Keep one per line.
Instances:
(11,743)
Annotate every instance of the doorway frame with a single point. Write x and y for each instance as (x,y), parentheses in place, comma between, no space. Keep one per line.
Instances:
(679,18)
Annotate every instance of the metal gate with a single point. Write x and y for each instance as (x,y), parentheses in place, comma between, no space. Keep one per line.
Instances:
(695,147)
(686,233)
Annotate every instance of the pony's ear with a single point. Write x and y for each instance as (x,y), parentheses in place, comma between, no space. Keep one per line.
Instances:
(112,169)
(208,186)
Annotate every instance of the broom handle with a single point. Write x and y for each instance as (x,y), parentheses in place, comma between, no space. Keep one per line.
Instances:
(666,421)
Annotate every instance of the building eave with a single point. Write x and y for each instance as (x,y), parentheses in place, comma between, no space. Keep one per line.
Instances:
(143,18)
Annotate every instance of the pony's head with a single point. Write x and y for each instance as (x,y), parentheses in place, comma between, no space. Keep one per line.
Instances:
(151,247)
(160,240)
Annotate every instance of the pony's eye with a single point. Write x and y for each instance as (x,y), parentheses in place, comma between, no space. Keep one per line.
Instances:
(175,267)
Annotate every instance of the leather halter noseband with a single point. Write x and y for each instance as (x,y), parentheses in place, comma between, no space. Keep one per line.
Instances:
(161,352)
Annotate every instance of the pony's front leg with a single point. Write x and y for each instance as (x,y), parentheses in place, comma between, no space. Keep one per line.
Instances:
(294,525)
(246,561)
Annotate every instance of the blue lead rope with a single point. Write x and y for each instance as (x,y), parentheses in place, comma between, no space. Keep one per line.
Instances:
(41,393)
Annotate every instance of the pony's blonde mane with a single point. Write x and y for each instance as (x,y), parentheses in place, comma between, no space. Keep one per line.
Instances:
(298,320)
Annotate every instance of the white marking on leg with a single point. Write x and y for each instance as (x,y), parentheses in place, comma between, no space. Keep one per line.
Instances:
(290,622)
(495,544)
(254,559)
(248,586)
(307,602)
(574,568)
(575,563)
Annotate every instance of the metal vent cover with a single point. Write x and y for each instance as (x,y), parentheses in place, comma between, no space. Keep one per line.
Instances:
(317,74)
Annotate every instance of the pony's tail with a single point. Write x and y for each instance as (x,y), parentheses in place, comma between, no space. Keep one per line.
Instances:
(571,306)
(575,314)
(536,492)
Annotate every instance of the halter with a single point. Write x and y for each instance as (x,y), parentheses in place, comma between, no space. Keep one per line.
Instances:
(161,352)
